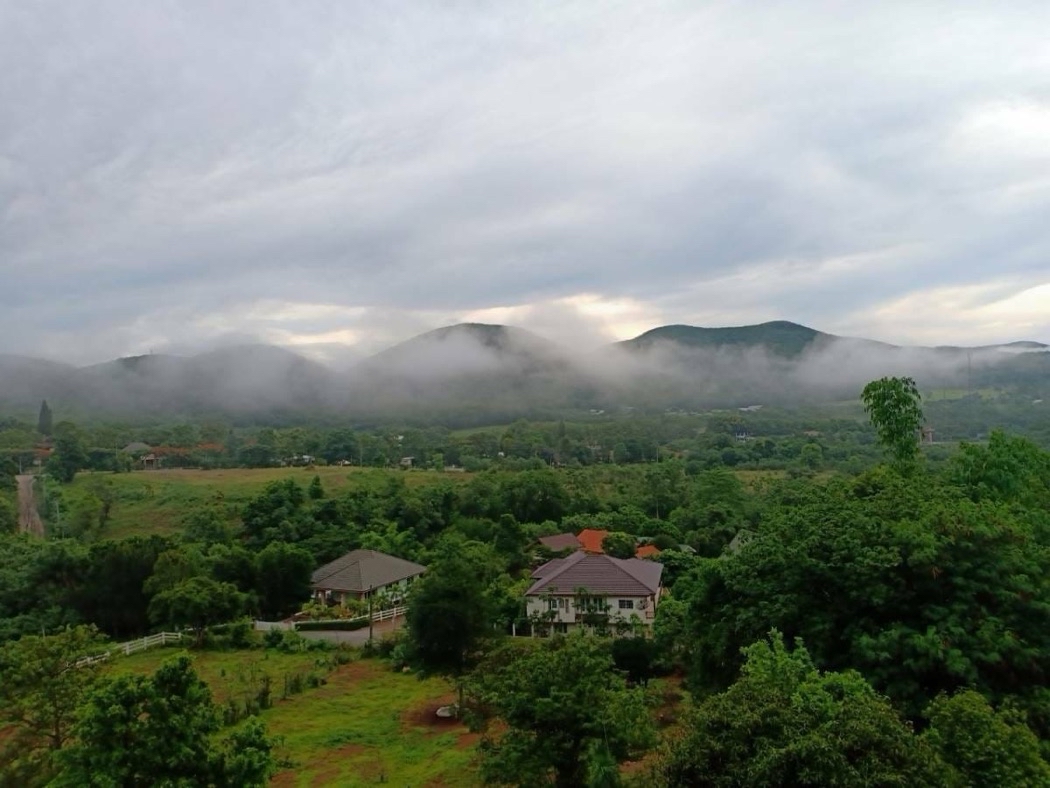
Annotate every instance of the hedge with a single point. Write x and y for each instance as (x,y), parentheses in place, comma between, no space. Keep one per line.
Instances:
(341,626)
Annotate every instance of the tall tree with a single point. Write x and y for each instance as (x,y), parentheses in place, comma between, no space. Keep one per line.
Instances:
(620,545)
(69,454)
(39,695)
(112,593)
(984,746)
(283,576)
(197,603)
(449,616)
(510,541)
(785,723)
(565,713)
(43,422)
(157,731)
(316,489)
(902,578)
(894,406)
(8,516)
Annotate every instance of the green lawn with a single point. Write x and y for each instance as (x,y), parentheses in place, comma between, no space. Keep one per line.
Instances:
(231,674)
(371,725)
(365,725)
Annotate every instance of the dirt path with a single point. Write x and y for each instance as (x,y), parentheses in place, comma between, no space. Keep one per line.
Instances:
(28,518)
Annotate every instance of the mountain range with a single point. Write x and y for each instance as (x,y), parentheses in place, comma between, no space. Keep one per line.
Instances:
(477,373)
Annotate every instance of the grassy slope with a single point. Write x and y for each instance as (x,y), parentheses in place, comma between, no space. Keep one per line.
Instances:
(154,502)
(365,725)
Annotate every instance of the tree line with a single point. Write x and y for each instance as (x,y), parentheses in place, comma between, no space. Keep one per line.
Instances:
(888,626)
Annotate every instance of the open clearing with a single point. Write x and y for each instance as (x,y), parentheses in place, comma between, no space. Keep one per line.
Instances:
(365,725)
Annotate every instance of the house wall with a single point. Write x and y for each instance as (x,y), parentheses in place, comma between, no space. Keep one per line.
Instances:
(566,610)
(398,589)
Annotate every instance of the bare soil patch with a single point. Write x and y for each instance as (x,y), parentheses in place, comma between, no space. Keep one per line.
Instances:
(425,716)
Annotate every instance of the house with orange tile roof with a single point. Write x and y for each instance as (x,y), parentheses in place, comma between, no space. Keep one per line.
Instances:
(591,539)
(647,551)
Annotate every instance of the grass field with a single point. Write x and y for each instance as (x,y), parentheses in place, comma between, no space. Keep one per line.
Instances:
(365,725)
(155,502)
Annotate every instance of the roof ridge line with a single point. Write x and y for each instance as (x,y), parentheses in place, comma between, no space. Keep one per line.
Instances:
(566,562)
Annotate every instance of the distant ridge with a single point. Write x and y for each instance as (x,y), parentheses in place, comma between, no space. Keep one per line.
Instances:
(481,373)
(784,338)
(501,340)
(779,336)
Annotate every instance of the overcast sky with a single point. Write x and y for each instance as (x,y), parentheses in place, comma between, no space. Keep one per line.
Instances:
(336,177)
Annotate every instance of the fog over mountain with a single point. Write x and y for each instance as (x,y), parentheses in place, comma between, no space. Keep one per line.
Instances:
(481,373)
(337,177)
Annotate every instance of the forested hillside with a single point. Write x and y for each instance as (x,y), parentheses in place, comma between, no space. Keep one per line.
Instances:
(477,374)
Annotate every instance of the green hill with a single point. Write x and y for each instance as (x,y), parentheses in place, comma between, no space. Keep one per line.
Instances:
(781,337)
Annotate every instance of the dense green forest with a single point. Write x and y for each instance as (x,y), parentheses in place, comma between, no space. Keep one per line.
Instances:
(845,605)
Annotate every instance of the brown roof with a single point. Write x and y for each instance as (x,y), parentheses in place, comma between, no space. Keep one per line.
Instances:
(361,570)
(598,574)
(560,542)
(646,550)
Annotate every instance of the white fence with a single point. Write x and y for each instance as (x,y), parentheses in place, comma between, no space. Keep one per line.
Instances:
(266,626)
(160,639)
(378,615)
(387,615)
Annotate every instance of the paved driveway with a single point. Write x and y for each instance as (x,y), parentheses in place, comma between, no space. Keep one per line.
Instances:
(357,637)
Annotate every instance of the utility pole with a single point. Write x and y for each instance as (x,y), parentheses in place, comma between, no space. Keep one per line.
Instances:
(370,615)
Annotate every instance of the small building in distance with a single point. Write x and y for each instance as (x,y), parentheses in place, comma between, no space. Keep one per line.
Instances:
(647,551)
(559,542)
(591,539)
(363,573)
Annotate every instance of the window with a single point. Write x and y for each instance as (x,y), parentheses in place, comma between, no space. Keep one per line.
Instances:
(591,604)
(626,604)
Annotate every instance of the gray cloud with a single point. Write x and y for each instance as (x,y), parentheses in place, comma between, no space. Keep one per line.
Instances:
(176,173)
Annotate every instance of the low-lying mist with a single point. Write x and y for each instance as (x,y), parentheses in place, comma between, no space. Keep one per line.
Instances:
(476,373)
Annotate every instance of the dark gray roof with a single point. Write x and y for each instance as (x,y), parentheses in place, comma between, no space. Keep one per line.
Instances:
(560,542)
(599,574)
(360,570)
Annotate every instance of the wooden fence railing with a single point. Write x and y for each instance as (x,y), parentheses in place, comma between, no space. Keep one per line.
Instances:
(132,646)
(378,615)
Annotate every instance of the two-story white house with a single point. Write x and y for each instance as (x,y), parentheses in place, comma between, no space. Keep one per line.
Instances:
(584,589)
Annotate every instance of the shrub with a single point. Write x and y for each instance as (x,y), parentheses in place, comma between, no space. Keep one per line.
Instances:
(334,626)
